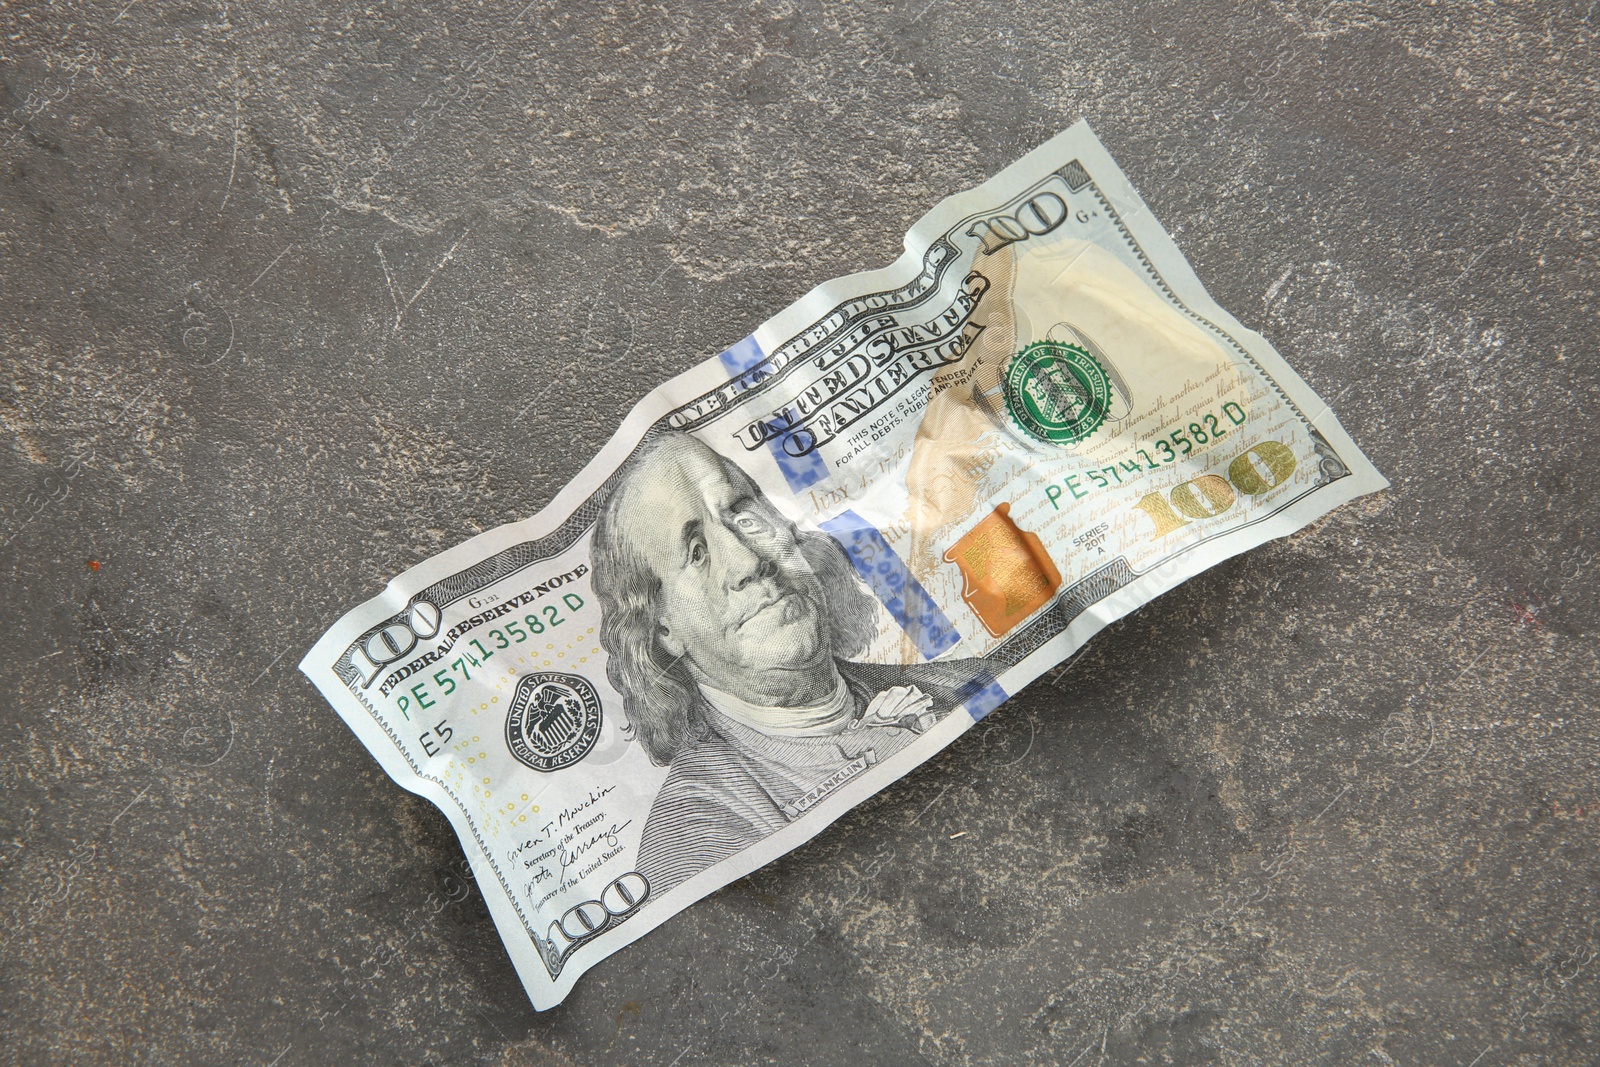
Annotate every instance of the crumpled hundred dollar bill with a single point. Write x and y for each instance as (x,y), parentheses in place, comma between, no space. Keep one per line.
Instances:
(807,564)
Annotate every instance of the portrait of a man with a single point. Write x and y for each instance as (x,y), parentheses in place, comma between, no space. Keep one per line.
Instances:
(731,635)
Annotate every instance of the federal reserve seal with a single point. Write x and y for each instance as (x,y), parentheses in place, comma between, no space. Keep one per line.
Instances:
(1057,393)
(554,720)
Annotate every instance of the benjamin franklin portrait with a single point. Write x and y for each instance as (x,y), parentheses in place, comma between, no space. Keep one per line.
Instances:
(732,637)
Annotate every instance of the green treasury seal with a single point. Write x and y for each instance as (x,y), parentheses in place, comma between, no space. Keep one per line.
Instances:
(1057,393)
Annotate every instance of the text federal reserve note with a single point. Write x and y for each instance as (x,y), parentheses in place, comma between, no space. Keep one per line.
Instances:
(807,564)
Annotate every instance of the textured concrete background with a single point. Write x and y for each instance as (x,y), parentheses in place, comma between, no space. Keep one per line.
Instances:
(295,294)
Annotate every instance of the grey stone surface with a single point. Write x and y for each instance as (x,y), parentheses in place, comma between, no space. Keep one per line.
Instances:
(294,294)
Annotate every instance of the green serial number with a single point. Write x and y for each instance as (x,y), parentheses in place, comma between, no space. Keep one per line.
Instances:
(1168,449)
(508,634)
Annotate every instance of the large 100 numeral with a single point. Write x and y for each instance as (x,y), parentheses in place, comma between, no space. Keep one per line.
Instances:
(587,921)
(1254,471)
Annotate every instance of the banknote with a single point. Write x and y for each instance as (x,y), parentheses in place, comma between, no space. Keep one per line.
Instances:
(811,561)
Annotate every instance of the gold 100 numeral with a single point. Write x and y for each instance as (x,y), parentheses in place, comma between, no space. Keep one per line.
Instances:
(1254,471)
